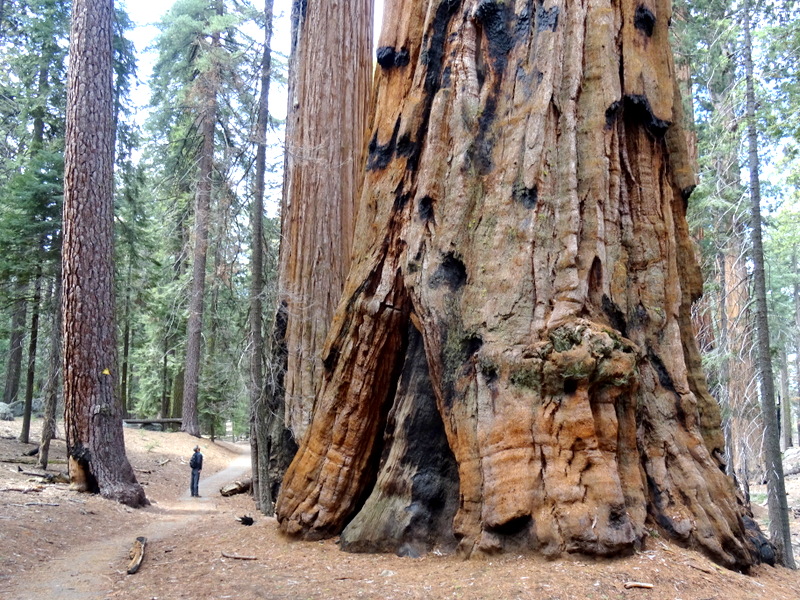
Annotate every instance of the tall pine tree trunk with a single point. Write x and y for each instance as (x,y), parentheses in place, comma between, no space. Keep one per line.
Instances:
(776,491)
(208,122)
(524,212)
(258,413)
(95,442)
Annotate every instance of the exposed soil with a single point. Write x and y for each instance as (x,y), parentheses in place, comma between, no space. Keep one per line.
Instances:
(58,544)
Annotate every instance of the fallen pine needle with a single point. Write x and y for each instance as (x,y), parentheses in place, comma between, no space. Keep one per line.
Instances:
(237,557)
(699,568)
(638,584)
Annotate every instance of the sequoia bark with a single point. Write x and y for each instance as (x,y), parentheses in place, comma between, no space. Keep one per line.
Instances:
(329,100)
(328,111)
(524,210)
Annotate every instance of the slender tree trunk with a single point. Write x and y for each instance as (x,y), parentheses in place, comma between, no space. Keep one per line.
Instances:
(786,405)
(724,366)
(258,414)
(797,337)
(524,211)
(33,341)
(126,346)
(177,392)
(780,532)
(95,442)
(16,344)
(194,327)
(50,390)
(165,398)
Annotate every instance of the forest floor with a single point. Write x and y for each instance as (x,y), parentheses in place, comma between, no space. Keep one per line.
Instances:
(61,545)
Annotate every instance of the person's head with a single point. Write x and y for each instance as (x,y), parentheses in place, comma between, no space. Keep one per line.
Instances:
(197,448)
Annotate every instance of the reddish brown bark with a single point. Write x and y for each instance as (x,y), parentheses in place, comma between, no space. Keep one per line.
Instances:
(524,210)
(95,443)
(328,111)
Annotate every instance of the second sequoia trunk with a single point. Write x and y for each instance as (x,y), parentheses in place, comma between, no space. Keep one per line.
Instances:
(523,217)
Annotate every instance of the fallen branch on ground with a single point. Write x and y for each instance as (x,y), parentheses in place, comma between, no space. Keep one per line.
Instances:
(137,554)
(48,477)
(238,557)
(21,490)
(638,584)
(34,474)
(163,462)
(41,504)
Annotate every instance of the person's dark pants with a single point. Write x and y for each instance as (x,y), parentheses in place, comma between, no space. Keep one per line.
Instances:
(195,482)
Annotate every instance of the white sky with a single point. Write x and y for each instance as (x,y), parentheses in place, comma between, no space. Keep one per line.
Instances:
(146,13)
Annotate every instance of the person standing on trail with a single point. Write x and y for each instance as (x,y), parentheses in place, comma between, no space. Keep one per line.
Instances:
(196,464)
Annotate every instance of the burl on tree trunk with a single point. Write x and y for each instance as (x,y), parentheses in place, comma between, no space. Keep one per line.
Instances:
(512,364)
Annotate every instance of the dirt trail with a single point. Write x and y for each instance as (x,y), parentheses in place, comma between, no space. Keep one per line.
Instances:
(56,543)
(85,572)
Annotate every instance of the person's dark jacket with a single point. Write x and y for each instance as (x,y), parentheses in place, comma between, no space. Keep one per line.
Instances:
(197,461)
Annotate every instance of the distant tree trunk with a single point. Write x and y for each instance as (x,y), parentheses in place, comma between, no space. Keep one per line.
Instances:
(258,413)
(177,392)
(326,124)
(724,364)
(737,393)
(208,121)
(776,490)
(165,397)
(126,346)
(33,342)
(19,317)
(95,442)
(786,405)
(524,211)
(50,390)
(797,337)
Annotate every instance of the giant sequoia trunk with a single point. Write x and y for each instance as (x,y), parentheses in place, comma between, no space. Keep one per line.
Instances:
(523,211)
(329,92)
(328,111)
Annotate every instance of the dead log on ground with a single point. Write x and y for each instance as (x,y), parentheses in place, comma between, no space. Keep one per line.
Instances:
(237,557)
(48,477)
(237,487)
(137,555)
